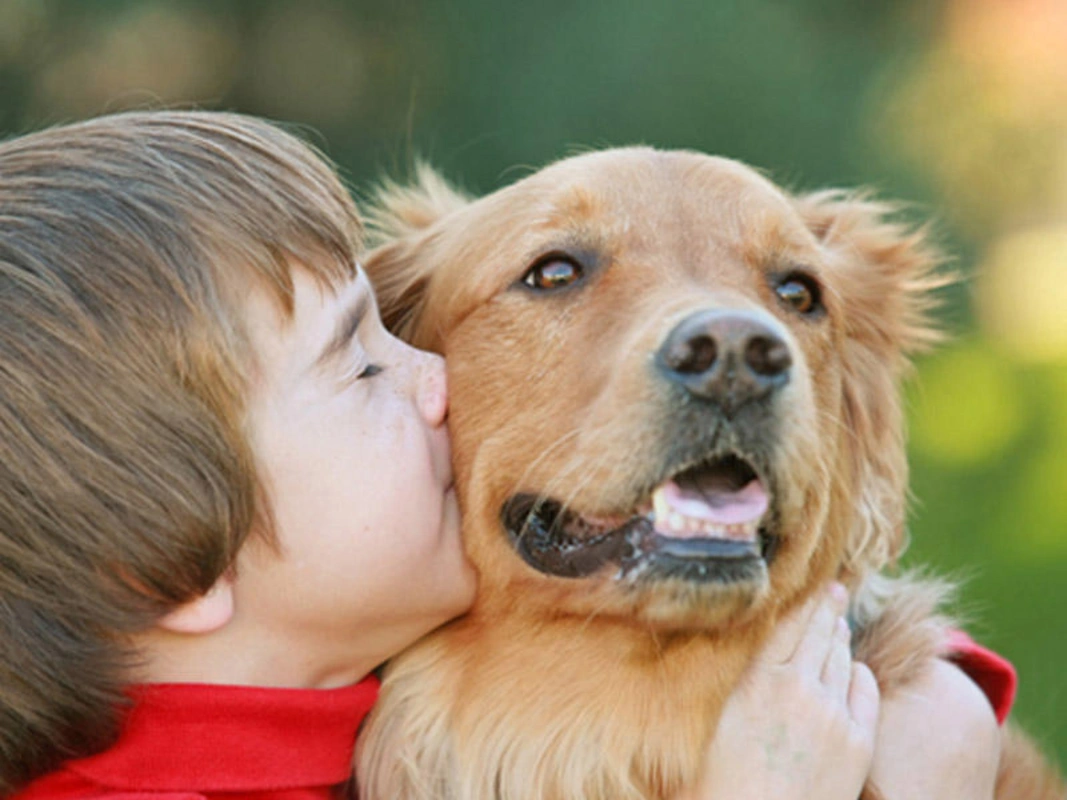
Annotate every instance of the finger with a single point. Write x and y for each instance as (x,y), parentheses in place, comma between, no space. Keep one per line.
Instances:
(837,670)
(863,699)
(788,632)
(791,628)
(815,645)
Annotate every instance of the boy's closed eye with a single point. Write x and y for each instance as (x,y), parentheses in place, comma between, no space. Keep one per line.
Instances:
(361,367)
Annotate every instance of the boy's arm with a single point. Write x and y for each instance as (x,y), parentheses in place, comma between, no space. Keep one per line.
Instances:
(993,673)
(939,737)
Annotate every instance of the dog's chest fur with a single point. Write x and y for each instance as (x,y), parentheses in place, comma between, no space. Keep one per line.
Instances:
(555,712)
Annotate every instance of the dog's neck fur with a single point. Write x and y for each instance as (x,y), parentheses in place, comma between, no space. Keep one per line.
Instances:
(588,694)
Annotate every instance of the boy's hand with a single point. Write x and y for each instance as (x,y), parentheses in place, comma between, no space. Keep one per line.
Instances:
(801,723)
(937,737)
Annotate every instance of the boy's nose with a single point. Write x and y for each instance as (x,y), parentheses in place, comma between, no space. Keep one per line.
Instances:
(432,390)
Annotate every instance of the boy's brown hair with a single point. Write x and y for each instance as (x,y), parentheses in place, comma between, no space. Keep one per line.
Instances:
(126,480)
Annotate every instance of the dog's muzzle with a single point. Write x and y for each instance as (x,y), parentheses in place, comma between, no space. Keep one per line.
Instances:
(708,523)
(709,513)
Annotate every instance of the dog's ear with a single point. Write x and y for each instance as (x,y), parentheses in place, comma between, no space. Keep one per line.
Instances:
(884,274)
(401,221)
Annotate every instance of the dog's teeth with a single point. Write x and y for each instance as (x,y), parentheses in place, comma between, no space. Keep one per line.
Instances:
(676,524)
(671,522)
(661,509)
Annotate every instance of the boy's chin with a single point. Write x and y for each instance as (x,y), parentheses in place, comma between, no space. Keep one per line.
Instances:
(454,579)
(458,597)
(450,535)
(450,602)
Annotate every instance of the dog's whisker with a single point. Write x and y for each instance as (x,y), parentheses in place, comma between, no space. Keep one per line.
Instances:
(545,493)
(593,614)
(545,452)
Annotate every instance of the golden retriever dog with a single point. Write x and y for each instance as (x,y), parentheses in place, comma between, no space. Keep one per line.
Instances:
(675,414)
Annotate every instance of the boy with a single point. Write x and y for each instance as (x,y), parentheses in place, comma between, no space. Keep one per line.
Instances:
(145,260)
(225,492)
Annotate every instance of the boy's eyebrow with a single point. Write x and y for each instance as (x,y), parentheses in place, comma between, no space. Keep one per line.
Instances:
(351,318)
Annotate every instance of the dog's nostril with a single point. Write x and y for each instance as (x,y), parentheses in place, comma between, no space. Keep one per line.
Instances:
(767,355)
(692,356)
(727,357)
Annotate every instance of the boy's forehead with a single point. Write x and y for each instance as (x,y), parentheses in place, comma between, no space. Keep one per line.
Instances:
(318,309)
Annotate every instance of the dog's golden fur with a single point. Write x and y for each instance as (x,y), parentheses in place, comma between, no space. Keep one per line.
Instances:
(602,686)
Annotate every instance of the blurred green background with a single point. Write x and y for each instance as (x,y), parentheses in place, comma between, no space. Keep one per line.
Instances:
(957,105)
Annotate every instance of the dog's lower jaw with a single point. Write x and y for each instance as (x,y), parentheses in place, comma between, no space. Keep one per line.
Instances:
(681,606)
(602,713)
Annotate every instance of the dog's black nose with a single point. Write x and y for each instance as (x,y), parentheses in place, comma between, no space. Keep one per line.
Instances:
(728,357)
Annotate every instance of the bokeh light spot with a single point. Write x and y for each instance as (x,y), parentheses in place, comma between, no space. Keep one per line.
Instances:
(21,23)
(1036,516)
(155,53)
(966,409)
(1022,294)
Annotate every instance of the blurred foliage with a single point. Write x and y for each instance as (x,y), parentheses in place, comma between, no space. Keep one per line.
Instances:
(958,105)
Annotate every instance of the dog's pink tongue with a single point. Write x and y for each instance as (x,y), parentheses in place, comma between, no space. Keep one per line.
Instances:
(720,505)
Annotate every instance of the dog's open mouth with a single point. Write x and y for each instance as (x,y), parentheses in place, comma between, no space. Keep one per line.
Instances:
(709,522)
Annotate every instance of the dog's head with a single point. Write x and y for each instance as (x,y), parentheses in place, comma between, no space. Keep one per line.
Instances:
(674,385)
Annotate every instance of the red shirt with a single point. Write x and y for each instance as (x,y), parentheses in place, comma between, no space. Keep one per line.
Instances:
(197,741)
(211,742)
(994,674)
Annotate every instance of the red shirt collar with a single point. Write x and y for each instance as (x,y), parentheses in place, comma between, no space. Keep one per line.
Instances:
(212,738)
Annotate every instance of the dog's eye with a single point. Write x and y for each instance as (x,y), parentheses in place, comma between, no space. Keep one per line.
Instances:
(801,293)
(554,272)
